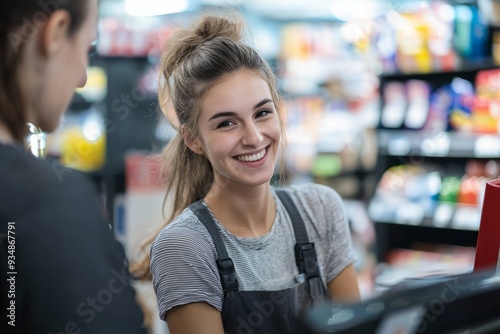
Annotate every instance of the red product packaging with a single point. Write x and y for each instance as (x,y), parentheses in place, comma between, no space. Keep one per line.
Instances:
(488,241)
(143,172)
(488,84)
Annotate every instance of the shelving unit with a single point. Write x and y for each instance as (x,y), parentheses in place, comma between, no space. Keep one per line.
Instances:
(466,69)
(392,236)
(442,144)
(404,223)
(406,219)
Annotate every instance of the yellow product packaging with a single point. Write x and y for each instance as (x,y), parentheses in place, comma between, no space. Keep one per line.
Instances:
(84,145)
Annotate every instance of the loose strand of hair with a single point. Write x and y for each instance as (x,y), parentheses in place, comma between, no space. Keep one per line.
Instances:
(188,178)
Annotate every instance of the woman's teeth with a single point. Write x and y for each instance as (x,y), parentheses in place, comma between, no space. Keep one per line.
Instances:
(253,157)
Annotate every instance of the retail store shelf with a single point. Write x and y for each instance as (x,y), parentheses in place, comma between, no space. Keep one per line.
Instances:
(430,215)
(464,68)
(391,236)
(440,144)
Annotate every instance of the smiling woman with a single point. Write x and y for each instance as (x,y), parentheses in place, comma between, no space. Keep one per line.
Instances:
(225,262)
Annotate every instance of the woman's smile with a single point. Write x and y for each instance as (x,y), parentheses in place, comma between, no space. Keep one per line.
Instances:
(253,157)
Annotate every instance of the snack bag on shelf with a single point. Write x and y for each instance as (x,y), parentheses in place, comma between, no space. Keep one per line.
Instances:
(84,142)
(440,105)
(463,103)
(486,114)
(418,92)
(413,53)
(395,106)
(471,33)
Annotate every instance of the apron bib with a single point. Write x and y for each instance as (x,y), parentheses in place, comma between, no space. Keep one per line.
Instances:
(268,312)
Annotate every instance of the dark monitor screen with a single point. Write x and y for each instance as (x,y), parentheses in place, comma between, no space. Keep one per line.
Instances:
(445,304)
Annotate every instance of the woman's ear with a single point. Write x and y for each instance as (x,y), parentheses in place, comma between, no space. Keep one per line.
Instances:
(55,33)
(191,141)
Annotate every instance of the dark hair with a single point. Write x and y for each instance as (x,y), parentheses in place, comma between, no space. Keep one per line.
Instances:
(193,61)
(18,19)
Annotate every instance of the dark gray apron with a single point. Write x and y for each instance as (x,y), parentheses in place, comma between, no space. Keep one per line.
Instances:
(268,312)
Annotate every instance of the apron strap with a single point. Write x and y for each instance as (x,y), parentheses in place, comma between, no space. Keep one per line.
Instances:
(224,262)
(305,253)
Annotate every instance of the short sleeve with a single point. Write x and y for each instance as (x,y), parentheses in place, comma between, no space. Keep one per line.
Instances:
(184,270)
(339,250)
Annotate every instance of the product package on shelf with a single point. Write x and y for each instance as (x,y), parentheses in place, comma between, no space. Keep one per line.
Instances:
(143,200)
(487,116)
(462,107)
(80,140)
(476,108)
(471,32)
(418,92)
(131,37)
(428,196)
(395,105)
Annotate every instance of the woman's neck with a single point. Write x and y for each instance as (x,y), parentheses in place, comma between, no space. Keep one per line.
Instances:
(249,213)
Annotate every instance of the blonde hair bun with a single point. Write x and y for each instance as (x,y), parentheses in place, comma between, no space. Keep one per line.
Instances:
(229,26)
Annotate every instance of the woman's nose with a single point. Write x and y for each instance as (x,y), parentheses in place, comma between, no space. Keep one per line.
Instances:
(252,136)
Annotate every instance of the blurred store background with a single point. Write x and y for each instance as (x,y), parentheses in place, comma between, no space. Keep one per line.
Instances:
(395,104)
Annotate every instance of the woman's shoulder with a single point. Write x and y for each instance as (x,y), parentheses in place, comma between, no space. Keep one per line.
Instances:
(21,167)
(44,197)
(185,228)
(312,192)
(317,202)
(32,182)
(184,240)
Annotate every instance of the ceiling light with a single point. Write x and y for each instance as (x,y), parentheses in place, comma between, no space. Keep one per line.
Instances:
(348,10)
(154,7)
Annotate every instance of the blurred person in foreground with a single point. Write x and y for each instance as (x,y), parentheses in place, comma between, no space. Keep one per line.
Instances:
(62,271)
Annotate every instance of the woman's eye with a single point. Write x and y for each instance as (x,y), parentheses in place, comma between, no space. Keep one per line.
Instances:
(224,124)
(263,113)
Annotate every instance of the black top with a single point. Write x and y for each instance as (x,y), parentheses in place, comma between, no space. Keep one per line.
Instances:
(67,273)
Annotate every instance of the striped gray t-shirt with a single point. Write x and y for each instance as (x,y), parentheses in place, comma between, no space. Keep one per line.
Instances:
(183,254)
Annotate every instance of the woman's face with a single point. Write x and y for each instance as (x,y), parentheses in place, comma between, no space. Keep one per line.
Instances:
(64,72)
(239,130)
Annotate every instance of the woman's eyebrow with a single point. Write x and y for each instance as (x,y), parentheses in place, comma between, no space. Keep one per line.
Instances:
(223,114)
(232,113)
(261,103)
